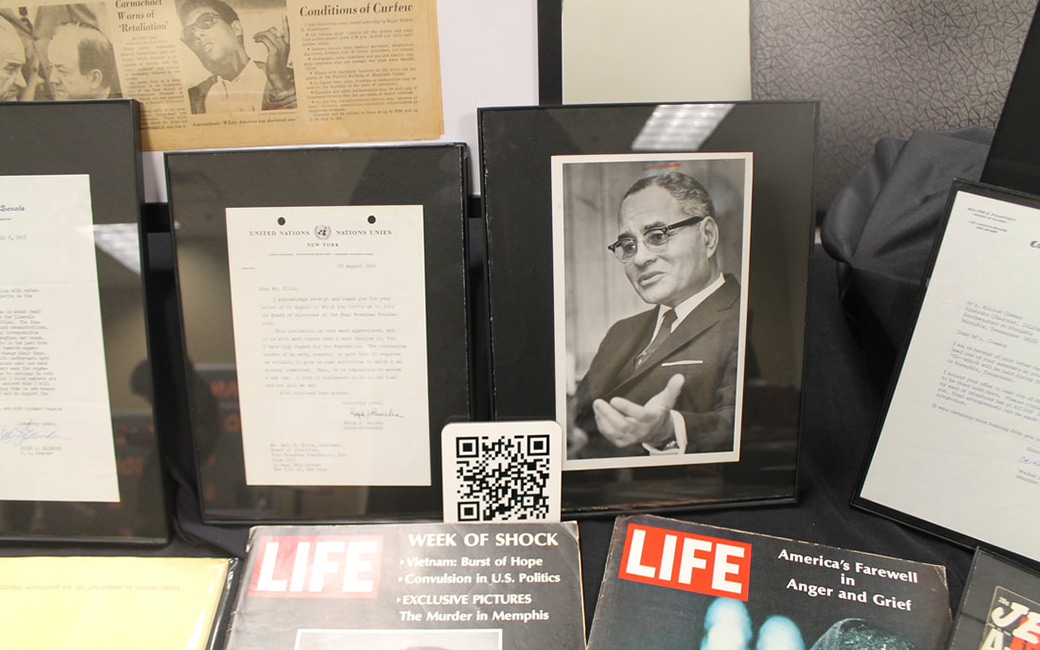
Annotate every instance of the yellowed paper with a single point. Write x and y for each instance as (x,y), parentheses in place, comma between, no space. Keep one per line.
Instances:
(109,602)
(240,72)
(55,421)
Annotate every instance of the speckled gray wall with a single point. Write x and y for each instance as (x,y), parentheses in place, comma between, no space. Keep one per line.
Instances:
(885,68)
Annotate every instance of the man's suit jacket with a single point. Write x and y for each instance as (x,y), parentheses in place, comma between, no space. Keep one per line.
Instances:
(703,348)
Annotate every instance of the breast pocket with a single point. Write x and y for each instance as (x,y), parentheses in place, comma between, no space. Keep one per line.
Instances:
(682,364)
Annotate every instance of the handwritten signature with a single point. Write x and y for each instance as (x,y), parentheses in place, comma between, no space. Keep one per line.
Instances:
(23,433)
(374,413)
(1026,460)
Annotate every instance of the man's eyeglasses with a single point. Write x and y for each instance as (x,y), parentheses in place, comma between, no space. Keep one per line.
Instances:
(655,239)
(205,21)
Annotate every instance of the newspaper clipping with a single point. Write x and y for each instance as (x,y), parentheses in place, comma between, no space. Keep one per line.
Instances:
(215,73)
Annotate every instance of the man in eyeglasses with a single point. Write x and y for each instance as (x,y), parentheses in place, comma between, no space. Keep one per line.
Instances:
(664,381)
(214,33)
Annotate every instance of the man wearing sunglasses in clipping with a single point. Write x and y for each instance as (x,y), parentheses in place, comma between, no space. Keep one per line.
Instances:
(214,33)
(664,381)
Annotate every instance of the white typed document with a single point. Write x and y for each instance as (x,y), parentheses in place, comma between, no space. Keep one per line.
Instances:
(329,312)
(960,445)
(55,417)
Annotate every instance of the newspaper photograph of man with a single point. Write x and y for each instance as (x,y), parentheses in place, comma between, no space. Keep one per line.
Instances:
(65,51)
(237,82)
(12,62)
(82,63)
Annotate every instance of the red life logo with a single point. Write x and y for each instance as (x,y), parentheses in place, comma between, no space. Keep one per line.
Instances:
(317,566)
(670,558)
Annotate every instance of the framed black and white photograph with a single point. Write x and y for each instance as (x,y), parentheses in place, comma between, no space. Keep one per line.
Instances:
(323,299)
(956,452)
(78,441)
(650,329)
(604,219)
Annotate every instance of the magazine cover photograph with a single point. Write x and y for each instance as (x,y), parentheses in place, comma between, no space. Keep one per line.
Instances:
(685,585)
(651,255)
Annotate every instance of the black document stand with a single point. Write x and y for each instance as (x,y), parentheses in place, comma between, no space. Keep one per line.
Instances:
(1014,157)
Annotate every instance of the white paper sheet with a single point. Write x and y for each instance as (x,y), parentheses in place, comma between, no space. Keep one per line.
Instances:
(329,314)
(55,419)
(655,51)
(960,445)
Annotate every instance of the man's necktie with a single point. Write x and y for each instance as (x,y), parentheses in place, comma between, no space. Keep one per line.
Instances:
(662,333)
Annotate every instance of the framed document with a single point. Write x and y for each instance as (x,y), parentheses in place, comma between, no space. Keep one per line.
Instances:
(648,270)
(324,311)
(77,428)
(957,452)
(1000,607)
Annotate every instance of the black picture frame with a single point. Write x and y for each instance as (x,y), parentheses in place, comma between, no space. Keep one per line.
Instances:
(517,146)
(550,52)
(202,185)
(951,394)
(99,139)
(990,579)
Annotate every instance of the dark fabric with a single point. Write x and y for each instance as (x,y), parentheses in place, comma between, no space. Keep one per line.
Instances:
(170,400)
(662,333)
(881,228)
(703,348)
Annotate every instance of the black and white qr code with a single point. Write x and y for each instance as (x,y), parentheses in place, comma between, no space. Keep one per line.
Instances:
(502,477)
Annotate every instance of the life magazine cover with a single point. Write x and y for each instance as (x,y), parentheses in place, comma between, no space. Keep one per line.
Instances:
(394,587)
(673,584)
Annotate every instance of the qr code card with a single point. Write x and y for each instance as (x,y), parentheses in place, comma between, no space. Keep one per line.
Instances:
(502,471)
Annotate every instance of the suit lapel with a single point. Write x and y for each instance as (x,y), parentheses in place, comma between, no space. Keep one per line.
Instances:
(696,323)
(619,362)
